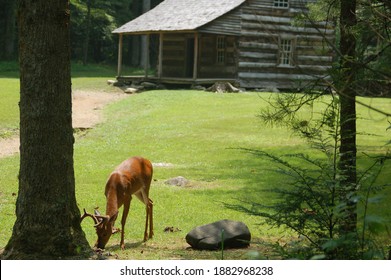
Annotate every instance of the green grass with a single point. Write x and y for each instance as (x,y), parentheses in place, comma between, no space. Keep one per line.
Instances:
(9,113)
(164,126)
(200,134)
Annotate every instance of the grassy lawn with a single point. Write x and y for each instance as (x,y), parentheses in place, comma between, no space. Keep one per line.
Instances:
(9,98)
(193,131)
(199,134)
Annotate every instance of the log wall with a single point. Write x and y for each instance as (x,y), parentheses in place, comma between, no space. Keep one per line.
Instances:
(263,27)
(255,34)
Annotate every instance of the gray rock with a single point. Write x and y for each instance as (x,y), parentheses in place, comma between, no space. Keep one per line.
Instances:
(209,237)
(177,181)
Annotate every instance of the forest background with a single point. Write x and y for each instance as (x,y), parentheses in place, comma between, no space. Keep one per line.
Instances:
(92,22)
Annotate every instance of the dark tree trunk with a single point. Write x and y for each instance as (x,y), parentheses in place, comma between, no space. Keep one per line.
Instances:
(348,114)
(87,34)
(47,218)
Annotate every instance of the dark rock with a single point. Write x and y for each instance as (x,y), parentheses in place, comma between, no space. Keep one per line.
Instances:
(209,237)
(148,85)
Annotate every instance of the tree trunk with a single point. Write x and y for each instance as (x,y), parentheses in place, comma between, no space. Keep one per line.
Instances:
(348,115)
(87,34)
(47,217)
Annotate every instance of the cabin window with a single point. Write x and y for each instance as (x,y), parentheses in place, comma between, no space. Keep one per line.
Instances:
(281,3)
(220,47)
(285,52)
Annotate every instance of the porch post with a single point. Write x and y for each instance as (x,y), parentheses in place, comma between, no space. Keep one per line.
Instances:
(160,66)
(195,66)
(119,69)
(146,53)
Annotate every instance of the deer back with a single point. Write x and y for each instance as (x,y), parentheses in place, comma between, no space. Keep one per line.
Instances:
(130,177)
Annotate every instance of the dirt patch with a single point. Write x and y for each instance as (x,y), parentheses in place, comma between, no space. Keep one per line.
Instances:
(87,112)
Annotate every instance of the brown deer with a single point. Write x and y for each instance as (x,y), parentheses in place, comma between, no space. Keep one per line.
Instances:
(132,177)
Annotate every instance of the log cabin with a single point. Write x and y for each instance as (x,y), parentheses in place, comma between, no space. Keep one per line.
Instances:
(250,43)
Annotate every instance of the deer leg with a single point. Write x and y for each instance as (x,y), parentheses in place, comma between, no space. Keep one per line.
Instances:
(123,221)
(146,223)
(144,199)
(150,208)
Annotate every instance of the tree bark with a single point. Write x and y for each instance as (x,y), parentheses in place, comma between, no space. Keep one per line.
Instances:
(87,34)
(347,93)
(47,217)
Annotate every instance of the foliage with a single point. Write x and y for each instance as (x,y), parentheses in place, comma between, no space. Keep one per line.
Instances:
(102,22)
(92,22)
(372,31)
(309,202)
(8,33)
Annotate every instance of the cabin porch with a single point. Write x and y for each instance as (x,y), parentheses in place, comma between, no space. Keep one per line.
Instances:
(191,58)
(174,81)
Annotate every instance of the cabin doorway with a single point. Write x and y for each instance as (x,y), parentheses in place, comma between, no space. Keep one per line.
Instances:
(189,67)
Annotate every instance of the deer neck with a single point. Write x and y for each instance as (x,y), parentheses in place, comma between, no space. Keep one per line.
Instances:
(112,203)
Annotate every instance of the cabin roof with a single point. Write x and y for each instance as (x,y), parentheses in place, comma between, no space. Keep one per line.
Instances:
(179,15)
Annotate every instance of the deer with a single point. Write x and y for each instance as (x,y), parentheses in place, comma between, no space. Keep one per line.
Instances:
(132,177)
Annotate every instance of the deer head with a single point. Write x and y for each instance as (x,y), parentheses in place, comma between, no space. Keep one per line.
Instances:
(103,226)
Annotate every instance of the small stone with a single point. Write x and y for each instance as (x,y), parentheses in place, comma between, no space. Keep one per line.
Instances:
(177,181)
(131,90)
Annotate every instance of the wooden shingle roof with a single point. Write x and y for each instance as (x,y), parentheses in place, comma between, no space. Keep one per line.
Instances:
(179,15)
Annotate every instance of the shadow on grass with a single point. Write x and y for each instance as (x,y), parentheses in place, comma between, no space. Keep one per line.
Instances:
(128,245)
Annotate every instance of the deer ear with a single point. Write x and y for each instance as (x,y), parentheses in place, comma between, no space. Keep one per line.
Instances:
(97,213)
(101,220)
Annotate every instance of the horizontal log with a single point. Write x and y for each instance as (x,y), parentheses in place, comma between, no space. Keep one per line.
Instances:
(315,58)
(244,64)
(258,55)
(269,35)
(259,45)
(283,20)
(286,28)
(276,76)
(315,68)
